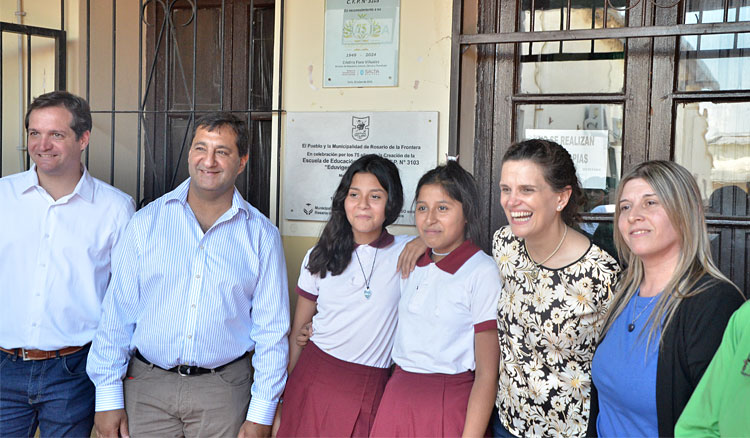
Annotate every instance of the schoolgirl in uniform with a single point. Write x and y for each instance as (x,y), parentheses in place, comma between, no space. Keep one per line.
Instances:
(446,348)
(349,288)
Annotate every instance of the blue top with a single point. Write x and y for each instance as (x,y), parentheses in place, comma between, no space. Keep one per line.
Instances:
(182,296)
(625,374)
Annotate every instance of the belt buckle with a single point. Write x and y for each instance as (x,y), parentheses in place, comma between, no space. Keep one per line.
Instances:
(25,355)
(184,370)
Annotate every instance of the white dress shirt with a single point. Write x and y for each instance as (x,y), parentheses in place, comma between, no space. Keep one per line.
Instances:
(180,296)
(56,259)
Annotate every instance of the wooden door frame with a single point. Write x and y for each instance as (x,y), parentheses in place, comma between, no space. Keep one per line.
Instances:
(650,53)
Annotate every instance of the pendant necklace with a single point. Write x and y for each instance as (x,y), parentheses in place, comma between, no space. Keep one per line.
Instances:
(535,272)
(631,326)
(368,292)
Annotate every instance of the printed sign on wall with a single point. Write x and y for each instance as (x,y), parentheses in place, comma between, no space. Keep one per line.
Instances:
(588,148)
(320,146)
(361,43)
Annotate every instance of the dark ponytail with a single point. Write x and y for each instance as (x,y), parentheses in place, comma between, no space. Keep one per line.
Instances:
(558,170)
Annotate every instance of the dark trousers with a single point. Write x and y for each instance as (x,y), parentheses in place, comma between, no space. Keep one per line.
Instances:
(498,430)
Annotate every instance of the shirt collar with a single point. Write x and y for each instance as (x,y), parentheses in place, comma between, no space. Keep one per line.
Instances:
(180,195)
(28,179)
(453,261)
(382,241)
(84,188)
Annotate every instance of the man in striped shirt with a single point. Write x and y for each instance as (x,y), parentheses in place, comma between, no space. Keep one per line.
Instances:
(199,284)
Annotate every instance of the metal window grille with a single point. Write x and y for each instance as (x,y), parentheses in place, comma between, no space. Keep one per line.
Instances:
(148,140)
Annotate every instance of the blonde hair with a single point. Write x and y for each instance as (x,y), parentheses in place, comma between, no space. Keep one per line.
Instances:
(678,193)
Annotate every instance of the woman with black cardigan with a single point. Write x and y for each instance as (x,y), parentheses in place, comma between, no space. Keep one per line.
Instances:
(670,310)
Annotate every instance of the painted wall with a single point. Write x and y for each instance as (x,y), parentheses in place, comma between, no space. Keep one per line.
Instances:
(423,85)
(47,14)
(40,14)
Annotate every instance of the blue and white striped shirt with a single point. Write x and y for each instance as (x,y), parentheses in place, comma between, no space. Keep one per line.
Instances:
(184,297)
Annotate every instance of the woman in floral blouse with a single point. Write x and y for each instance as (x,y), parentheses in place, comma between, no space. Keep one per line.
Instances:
(557,287)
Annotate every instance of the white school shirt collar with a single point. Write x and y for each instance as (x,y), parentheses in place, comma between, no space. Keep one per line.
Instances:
(381,242)
(453,261)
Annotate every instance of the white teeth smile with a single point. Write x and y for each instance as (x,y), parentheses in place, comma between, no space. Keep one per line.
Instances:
(639,232)
(520,214)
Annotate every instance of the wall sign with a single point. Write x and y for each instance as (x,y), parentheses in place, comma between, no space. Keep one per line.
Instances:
(320,146)
(361,43)
(588,148)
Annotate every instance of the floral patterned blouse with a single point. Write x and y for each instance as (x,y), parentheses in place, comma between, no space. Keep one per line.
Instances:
(548,325)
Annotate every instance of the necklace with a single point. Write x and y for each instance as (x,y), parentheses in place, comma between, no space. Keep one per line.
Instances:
(368,292)
(441,254)
(535,272)
(631,326)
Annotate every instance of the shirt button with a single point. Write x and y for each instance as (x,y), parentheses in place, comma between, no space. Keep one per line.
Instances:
(197,275)
(46,236)
(190,336)
(33,324)
(201,247)
(192,306)
(42,265)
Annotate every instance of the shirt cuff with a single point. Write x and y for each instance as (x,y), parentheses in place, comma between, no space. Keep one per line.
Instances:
(109,398)
(261,411)
(303,293)
(485,325)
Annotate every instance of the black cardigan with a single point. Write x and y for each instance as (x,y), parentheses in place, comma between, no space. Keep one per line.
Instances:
(688,345)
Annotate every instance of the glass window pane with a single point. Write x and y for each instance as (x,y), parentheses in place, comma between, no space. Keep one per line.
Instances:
(712,140)
(261,62)
(552,71)
(556,66)
(592,133)
(584,14)
(714,62)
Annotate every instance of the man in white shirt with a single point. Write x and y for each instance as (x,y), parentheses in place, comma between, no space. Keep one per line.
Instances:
(198,283)
(59,225)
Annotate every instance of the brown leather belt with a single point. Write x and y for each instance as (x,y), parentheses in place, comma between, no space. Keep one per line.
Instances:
(41,354)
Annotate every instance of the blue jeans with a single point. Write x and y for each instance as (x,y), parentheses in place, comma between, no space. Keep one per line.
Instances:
(498,430)
(54,394)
